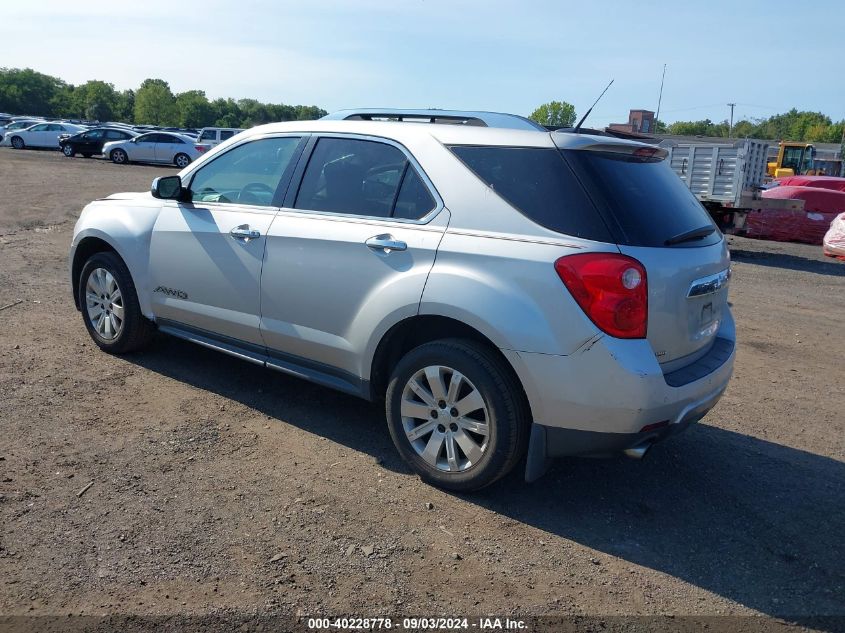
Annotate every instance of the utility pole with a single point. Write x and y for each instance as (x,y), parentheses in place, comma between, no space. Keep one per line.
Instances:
(730,129)
(659,99)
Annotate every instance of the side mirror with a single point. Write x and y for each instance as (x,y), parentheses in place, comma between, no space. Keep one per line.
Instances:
(167,188)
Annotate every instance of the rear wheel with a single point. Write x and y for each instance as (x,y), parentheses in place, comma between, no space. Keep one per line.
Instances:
(68,151)
(17,142)
(456,414)
(182,160)
(119,157)
(110,305)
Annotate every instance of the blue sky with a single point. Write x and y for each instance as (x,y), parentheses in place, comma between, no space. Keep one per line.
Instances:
(506,56)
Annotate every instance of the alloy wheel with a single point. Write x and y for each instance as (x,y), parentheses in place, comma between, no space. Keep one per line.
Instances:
(445,418)
(104,304)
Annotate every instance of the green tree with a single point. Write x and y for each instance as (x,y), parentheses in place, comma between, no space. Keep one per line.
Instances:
(253,112)
(25,91)
(557,113)
(155,103)
(194,109)
(743,129)
(693,128)
(226,113)
(125,108)
(95,100)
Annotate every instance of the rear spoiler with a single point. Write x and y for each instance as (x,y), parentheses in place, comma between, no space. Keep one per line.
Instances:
(646,152)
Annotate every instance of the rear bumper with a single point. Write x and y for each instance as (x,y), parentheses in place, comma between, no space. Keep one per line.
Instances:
(548,442)
(599,400)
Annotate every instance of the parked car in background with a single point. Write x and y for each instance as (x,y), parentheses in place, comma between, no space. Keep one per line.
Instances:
(505,291)
(155,147)
(216,135)
(40,135)
(17,124)
(90,142)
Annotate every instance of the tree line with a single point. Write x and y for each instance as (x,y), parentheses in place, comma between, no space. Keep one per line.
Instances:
(26,91)
(794,125)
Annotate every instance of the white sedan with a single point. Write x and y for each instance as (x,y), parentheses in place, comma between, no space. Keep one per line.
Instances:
(155,147)
(40,135)
(19,124)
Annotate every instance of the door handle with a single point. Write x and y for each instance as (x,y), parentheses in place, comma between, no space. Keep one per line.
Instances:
(386,243)
(244,233)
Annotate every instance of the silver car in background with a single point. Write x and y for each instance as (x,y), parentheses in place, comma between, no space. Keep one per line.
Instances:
(506,291)
(155,147)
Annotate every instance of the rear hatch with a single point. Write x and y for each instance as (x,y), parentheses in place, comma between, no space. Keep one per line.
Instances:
(655,219)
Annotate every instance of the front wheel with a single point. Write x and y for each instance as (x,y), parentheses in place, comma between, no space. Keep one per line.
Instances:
(182,160)
(119,157)
(110,307)
(68,151)
(17,142)
(457,414)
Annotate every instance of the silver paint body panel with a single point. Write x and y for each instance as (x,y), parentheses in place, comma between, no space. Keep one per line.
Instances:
(310,297)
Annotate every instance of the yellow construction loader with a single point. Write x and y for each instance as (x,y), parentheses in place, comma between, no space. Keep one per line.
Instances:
(793,159)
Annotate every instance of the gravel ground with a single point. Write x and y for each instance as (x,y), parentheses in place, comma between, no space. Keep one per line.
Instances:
(222,488)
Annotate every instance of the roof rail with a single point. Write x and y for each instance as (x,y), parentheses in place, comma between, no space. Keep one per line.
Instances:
(452,117)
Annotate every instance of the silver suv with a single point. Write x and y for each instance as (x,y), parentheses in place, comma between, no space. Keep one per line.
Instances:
(508,292)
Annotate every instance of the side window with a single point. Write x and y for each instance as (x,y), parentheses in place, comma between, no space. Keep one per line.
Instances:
(208,135)
(93,135)
(246,174)
(226,134)
(351,176)
(146,138)
(414,199)
(167,138)
(40,128)
(538,183)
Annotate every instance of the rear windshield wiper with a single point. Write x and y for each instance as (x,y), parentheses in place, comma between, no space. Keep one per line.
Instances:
(689,236)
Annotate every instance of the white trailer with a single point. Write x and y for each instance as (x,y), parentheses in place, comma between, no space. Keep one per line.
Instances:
(726,177)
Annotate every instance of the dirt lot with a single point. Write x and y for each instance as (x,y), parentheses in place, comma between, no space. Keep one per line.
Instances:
(219,487)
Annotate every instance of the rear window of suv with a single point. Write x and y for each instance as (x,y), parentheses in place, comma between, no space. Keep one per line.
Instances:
(645,199)
(538,183)
(632,200)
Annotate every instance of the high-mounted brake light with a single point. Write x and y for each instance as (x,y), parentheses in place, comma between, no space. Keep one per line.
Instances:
(646,152)
(649,154)
(611,289)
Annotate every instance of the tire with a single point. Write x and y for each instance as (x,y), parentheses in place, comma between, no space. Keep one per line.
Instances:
(182,160)
(68,151)
(17,142)
(484,378)
(119,156)
(107,278)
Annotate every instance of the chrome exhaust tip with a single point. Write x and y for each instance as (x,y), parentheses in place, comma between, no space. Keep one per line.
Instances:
(638,452)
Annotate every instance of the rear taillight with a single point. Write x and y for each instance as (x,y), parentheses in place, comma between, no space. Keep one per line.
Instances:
(200,148)
(610,288)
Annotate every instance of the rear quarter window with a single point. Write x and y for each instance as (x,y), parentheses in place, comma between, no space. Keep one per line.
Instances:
(539,184)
